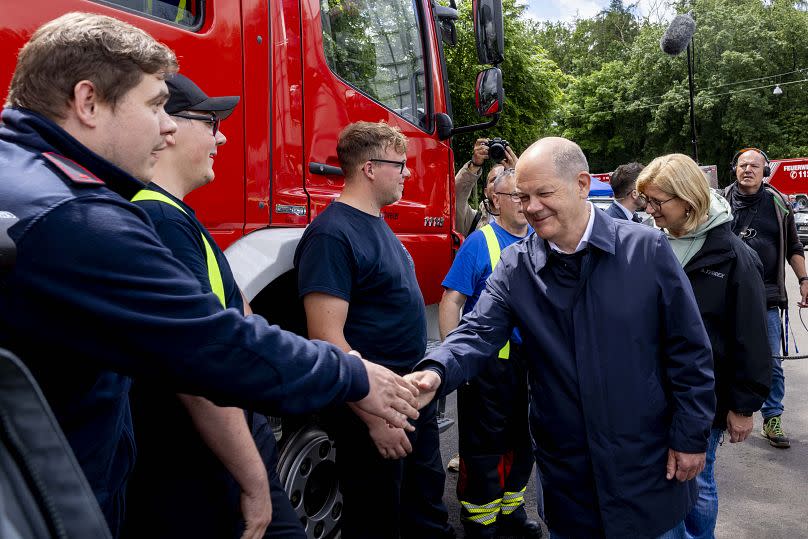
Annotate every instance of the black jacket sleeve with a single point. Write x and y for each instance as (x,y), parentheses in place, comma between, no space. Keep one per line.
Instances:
(746,334)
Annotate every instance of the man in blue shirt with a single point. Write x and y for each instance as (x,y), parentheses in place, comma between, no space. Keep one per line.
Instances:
(217,475)
(360,292)
(95,297)
(495,447)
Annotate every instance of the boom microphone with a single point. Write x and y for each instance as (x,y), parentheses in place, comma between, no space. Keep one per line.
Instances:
(678,35)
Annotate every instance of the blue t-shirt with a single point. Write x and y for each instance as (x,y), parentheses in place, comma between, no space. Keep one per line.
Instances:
(353,255)
(472,266)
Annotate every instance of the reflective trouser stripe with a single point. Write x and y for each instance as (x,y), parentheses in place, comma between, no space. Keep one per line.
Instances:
(512,500)
(493,252)
(214,274)
(481,514)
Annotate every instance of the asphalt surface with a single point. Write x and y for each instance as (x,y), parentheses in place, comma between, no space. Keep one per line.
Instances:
(762,490)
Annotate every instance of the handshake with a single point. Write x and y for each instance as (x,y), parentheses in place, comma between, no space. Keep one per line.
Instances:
(394,399)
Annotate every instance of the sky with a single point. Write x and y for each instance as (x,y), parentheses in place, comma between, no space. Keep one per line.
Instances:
(566,10)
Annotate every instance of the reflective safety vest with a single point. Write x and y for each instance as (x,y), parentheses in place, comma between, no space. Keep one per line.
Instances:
(493,252)
(180,10)
(214,275)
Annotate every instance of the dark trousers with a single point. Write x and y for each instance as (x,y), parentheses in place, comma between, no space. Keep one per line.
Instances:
(496,451)
(389,499)
(172,497)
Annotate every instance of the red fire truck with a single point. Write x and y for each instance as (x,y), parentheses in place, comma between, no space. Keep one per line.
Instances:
(305,69)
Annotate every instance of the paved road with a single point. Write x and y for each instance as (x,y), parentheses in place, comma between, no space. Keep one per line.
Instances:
(763,491)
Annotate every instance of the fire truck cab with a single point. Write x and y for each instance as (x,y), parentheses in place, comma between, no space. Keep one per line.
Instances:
(304,70)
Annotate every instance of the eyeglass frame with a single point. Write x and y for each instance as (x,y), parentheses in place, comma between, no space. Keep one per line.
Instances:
(401,164)
(212,119)
(657,204)
(515,197)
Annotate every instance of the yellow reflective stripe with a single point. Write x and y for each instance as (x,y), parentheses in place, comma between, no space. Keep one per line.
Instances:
(493,252)
(180,11)
(214,275)
(512,500)
(482,514)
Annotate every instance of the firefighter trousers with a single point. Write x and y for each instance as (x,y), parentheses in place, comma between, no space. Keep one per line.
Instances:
(389,499)
(496,455)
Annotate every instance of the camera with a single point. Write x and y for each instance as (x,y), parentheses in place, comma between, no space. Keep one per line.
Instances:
(496,149)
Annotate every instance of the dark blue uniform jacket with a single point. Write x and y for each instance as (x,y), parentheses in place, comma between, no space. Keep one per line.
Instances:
(616,380)
(95,298)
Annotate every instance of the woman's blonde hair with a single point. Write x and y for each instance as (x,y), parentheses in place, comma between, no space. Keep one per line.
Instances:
(678,175)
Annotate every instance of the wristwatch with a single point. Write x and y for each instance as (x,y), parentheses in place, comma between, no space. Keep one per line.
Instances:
(744,414)
(803,279)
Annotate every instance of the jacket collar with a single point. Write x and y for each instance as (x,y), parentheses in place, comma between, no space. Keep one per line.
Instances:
(603,237)
(32,130)
(717,248)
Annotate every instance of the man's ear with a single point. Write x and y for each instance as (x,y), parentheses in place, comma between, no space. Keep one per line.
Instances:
(85,103)
(368,169)
(584,182)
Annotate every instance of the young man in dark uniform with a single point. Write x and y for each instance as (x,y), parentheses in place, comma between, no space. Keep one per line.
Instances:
(217,475)
(95,297)
(359,290)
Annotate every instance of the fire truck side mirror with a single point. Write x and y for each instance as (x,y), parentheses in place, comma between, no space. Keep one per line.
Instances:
(446,17)
(489,94)
(488,31)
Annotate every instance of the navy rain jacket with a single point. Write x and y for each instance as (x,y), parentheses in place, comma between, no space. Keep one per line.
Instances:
(636,379)
(95,298)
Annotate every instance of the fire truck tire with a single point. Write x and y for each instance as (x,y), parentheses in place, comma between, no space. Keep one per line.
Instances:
(308,473)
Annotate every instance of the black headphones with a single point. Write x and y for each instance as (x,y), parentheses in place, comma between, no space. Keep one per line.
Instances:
(767,170)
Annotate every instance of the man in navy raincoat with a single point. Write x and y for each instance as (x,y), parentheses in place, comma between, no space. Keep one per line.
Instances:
(621,418)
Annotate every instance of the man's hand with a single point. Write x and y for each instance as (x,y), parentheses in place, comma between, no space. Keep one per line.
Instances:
(427,383)
(391,442)
(390,397)
(480,152)
(684,466)
(804,294)
(256,508)
(738,426)
(510,158)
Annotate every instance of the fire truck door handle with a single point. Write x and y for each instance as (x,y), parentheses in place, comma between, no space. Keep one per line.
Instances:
(324,170)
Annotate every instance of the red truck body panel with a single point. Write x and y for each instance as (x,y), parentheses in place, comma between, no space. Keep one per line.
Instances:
(292,109)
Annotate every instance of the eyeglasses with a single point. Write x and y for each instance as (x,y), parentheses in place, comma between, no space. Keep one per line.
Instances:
(399,164)
(515,197)
(657,204)
(212,120)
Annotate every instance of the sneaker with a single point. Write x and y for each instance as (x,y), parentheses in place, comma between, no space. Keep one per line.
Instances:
(773,430)
(454,463)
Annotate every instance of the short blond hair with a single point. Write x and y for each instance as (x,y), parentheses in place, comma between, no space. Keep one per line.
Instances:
(680,176)
(110,53)
(362,141)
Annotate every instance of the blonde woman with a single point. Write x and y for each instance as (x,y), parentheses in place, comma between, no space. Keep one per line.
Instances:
(726,277)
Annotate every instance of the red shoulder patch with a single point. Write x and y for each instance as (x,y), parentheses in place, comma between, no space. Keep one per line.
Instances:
(75,172)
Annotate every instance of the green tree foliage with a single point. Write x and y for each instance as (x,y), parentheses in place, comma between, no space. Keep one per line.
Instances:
(531,79)
(630,101)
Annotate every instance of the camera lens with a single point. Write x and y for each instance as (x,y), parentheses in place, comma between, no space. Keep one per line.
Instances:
(496,151)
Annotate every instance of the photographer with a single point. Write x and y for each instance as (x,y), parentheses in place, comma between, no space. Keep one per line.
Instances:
(468,219)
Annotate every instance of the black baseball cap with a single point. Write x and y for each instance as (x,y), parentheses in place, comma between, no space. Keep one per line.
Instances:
(184,95)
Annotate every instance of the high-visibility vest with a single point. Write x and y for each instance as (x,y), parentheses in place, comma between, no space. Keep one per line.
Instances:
(214,275)
(180,9)
(493,252)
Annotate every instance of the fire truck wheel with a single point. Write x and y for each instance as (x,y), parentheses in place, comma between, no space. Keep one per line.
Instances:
(308,473)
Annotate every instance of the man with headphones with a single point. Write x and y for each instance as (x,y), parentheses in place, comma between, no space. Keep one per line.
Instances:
(764,220)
